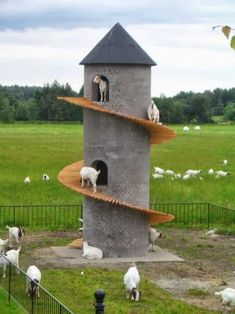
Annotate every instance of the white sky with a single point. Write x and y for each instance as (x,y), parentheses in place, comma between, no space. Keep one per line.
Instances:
(44,40)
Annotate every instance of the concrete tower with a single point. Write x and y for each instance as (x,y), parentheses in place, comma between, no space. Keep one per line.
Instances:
(119,147)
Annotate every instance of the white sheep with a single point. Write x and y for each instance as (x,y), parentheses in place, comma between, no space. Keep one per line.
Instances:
(103,87)
(11,256)
(27,180)
(15,233)
(186,176)
(224,162)
(2,245)
(193,172)
(45,177)
(131,281)
(91,252)
(170,173)
(221,173)
(158,170)
(153,113)
(227,296)
(197,128)
(89,174)
(153,235)
(178,176)
(210,171)
(33,279)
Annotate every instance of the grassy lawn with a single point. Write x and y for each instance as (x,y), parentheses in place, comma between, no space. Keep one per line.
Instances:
(8,307)
(34,149)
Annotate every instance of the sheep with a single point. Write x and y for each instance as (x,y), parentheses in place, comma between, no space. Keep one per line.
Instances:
(197,128)
(2,245)
(131,281)
(16,233)
(210,171)
(45,177)
(27,180)
(153,113)
(187,176)
(193,172)
(186,128)
(89,173)
(157,176)
(11,256)
(103,87)
(33,279)
(228,297)
(178,176)
(91,252)
(153,236)
(221,173)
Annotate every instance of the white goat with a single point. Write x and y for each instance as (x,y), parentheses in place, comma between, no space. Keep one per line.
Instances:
(186,176)
(157,176)
(131,281)
(153,236)
(91,252)
(221,173)
(197,128)
(32,281)
(153,113)
(89,173)
(27,180)
(178,176)
(228,297)
(13,257)
(45,177)
(170,173)
(158,170)
(103,87)
(15,233)
(2,245)
(193,172)
(186,128)
(210,171)
(224,162)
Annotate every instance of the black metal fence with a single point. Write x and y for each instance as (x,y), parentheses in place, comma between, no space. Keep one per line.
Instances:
(14,285)
(41,216)
(66,216)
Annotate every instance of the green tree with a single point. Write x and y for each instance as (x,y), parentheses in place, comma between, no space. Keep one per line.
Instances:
(229,112)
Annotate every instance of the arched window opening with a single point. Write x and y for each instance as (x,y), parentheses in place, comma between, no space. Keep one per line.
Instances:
(103,176)
(100,88)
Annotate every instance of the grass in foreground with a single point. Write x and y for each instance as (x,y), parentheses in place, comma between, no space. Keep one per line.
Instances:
(8,307)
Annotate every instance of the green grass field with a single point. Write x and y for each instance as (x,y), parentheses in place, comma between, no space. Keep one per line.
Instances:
(34,149)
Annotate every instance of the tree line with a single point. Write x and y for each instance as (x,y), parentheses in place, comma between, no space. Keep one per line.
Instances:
(24,103)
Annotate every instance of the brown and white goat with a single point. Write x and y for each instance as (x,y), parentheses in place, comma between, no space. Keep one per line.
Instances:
(16,234)
(103,87)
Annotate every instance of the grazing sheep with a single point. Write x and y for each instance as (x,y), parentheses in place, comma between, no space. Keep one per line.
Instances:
(45,177)
(153,236)
(187,176)
(11,256)
(131,281)
(32,281)
(2,245)
(153,112)
(103,87)
(227,296)
(178,176)
(89,173)
(210,171)
(27,180)
(91,252)
(197,128)
(221,173)
(158,170)
(186,128)
(15,233)
(193,172)
(157,176)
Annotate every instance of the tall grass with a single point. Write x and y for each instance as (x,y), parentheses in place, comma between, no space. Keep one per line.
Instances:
(34,149)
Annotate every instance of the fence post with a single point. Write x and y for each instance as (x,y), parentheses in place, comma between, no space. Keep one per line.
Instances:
(208,216)
(9,284)
(99,305)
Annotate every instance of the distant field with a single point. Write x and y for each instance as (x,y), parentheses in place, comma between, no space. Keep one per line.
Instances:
(34,149)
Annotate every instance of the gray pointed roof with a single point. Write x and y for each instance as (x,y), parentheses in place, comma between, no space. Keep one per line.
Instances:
(117,47)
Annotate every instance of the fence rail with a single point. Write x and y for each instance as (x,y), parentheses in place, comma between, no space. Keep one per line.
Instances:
(66,216)
(14,285)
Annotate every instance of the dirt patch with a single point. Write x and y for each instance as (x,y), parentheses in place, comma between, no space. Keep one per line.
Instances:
(208,266)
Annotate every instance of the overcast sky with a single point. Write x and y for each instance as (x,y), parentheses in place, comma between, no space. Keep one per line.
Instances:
(44,40)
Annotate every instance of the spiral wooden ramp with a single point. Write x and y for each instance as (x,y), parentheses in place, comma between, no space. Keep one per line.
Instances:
(70,175)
